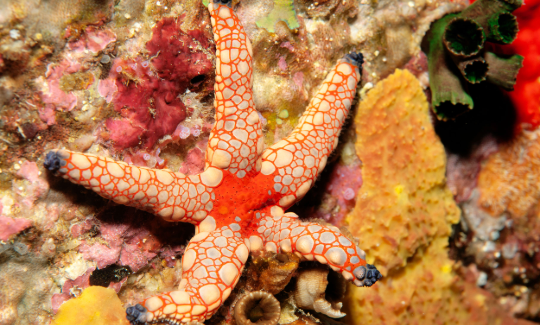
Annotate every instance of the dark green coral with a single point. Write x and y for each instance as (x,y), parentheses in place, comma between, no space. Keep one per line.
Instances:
(457,58)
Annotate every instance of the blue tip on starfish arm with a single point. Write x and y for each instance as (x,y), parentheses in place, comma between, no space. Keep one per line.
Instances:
(223,2)
(136,314)
(54,161)
(355,58)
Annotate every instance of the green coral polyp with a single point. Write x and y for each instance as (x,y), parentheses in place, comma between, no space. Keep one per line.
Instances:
(456,43)
(475,71)
(503,28)
(464,37)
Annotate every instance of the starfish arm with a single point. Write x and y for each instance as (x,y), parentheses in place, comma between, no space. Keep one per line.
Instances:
(173,196)
(295,161)
(236,140)
(312,241)
(212,265)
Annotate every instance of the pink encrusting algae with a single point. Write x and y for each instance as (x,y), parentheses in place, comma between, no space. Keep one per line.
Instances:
(12,226)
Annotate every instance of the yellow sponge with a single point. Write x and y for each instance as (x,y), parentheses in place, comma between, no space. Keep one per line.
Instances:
(95,306)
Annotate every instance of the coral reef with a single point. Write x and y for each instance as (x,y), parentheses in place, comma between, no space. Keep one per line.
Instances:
(271,273)
(95,306)
(508,179)
(25,285)
(460,39)
(462,171)
(501,231)
(283,11)
(497,239)
(428,291)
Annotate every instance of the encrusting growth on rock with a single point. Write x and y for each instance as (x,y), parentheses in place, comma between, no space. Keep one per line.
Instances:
(237,204)
(460,38)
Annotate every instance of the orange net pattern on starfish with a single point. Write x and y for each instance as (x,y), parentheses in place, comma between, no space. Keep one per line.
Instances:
(236,141)
(296,160)
(173,196)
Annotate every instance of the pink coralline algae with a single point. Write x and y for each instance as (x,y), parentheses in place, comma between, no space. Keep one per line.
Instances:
(148,90)
(101,253)
(31,187)
(107,88)
(94,39)
(194,162)
(10,227)
(129,243)
(53,96)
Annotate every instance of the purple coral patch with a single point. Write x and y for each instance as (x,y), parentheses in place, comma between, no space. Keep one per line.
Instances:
(147,101)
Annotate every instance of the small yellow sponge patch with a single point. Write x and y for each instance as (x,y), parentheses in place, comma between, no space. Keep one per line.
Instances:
(96,306)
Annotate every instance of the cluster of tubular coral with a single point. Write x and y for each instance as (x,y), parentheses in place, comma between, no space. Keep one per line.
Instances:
(457,54)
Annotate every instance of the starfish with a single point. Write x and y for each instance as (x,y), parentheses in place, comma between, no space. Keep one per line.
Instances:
(238,203)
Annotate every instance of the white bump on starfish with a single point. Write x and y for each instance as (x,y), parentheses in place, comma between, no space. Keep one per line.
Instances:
(336,255)
(189,259)
(180,297)
(153,304)
(304,244)
(207,225)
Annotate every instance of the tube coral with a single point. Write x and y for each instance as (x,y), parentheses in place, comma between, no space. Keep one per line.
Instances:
(259,306)
(457,43)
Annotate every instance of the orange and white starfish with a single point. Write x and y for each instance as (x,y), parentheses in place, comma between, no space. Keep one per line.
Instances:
(237,204)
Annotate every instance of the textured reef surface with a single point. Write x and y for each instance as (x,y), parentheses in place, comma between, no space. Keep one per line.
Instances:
(434,179)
